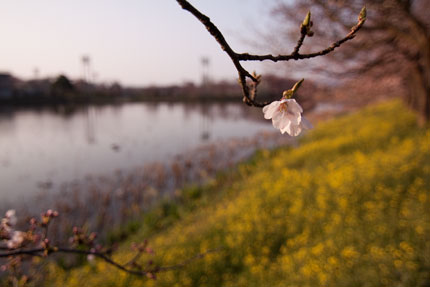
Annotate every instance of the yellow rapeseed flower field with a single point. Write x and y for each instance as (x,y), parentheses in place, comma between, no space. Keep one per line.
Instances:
(349,207)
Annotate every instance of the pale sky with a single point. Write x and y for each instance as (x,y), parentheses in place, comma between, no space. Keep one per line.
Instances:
(136,42)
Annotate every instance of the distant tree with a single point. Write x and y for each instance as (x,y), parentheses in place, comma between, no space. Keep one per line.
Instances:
(394,41)
(62,87)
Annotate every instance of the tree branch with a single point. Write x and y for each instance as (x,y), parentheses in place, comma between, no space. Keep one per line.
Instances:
(250,93)
(332,47)
(103,255)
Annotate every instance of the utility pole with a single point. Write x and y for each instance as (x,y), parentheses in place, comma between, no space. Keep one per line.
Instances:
(205,62)
(86,62)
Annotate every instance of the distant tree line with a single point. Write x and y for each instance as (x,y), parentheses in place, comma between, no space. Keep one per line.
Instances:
(51,91)
(63,90)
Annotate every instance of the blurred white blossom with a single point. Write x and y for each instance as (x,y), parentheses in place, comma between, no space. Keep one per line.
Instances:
(91,257)
(11,217)
(16,239)
(7,223)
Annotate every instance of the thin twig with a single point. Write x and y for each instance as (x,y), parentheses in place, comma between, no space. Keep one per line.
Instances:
(299,44)
(332,47)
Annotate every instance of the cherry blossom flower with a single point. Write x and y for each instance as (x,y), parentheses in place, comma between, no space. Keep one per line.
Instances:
(16,240)
(11,217)
(7,223)
(286,116)
(91,258)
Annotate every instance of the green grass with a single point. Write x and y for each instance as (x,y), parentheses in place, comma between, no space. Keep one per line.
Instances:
(348,207)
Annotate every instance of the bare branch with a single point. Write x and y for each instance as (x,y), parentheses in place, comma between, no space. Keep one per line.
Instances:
(216,33)
(304,31)
(21,245)
(250,92)
(106,258)
(332,47)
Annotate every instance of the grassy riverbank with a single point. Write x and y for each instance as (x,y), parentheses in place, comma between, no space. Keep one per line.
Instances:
(348,207)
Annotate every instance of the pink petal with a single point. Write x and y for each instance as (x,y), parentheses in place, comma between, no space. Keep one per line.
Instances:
(279,120)
(294,107)
(270,109)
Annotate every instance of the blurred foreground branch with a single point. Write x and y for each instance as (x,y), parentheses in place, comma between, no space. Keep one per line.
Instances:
(19,246)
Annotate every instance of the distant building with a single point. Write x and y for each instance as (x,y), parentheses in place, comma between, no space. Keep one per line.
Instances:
(6,86)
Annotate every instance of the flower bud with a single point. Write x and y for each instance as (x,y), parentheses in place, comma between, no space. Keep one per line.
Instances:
(33,221)
(363,14)
(92,236)
(307,20)
(287,94)
(297,85)
(256,76)
(45,220)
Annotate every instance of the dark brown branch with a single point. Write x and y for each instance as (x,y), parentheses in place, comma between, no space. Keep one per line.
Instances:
(103,256)
(332,47)
(16,252)
(216,33)
(299,43)
(304,31)
(250,96)
(37,251)
(106,259)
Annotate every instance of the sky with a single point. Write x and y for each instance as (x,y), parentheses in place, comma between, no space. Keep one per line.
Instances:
(134,42)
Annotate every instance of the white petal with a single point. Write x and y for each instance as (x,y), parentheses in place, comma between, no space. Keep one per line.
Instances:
(293,130)
(279,120)
(286,128)
(11,217)
(276,119)
(284,122)
(306,124)
(294,118)
(294,107)
(16,240)
(270,109)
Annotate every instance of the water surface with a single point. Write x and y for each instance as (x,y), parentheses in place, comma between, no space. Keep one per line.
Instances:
(42,148)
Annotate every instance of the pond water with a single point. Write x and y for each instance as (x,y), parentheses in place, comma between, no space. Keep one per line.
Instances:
(42,148)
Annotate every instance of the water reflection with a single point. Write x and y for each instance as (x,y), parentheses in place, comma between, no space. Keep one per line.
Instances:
(42,148)
(90,131)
